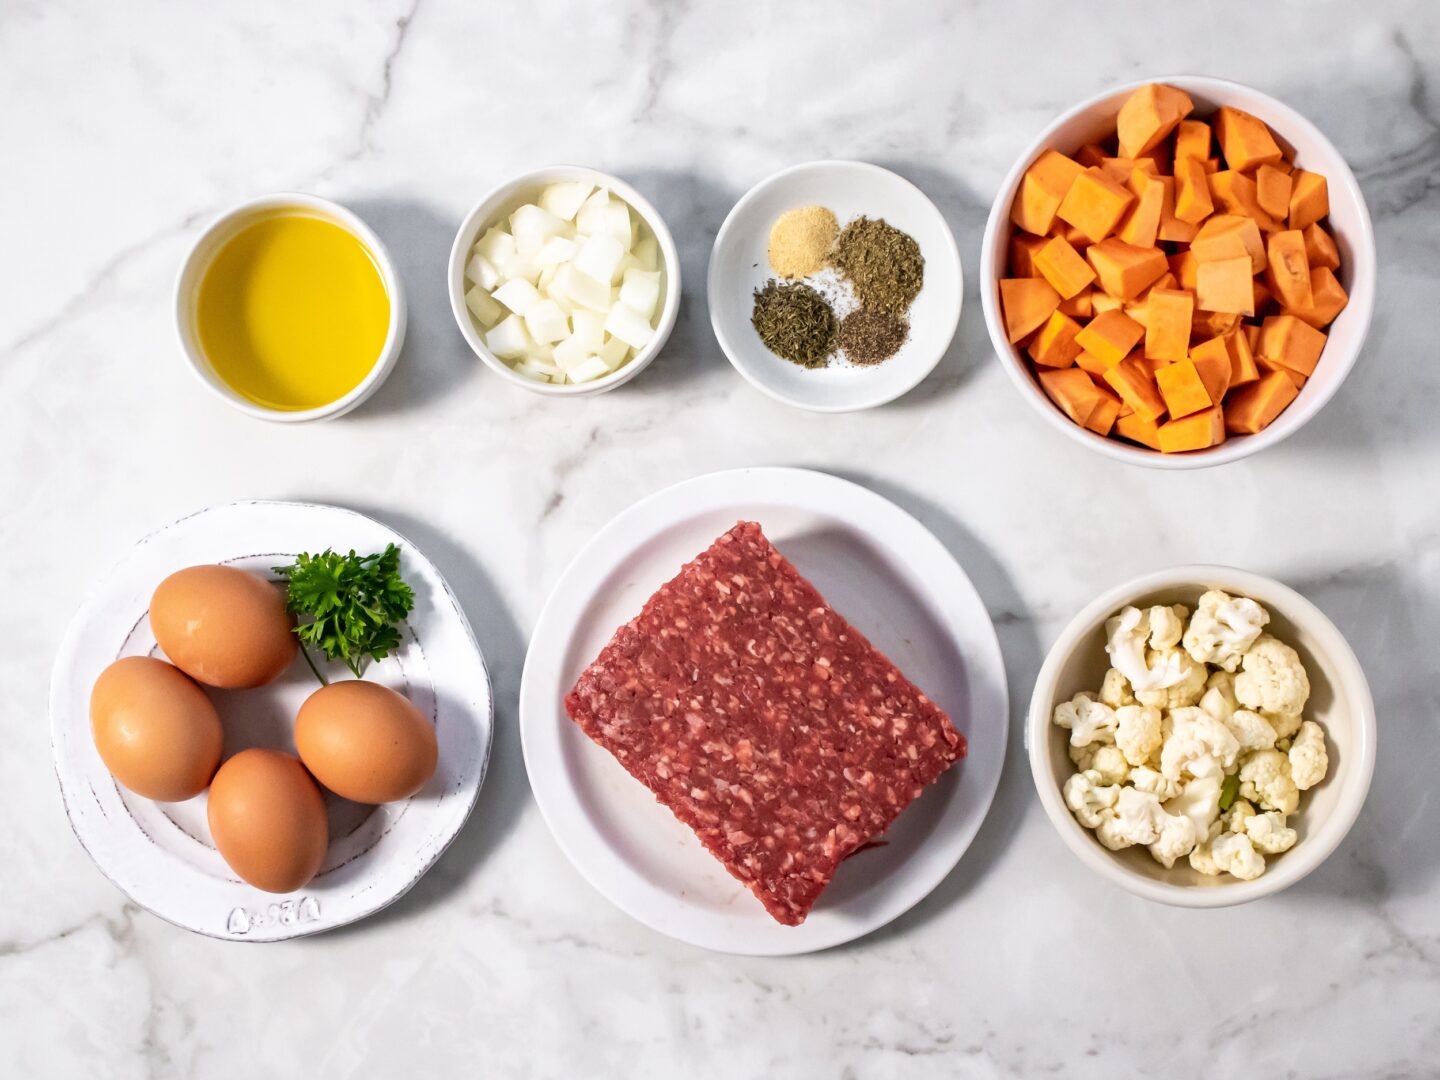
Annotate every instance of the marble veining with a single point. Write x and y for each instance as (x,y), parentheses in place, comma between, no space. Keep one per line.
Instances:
(128,126)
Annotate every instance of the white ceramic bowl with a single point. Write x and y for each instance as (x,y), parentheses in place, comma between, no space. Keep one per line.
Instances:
(1339,700)
(739,264)
(192,272)
(1349,221)
(498,205)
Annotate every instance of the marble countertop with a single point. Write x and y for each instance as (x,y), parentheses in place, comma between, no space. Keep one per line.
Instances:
(128,126)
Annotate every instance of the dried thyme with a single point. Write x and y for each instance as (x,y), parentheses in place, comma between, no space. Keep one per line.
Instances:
(794,322)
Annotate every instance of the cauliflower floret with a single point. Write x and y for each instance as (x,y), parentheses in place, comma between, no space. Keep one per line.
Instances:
(1156,783)
(1183,691)
(1090,800)
(1167,625)
(1265,779)
(1285,724)
(1235,854)
(1251,730)
(1115,690)
(1268,834)
(1102,758)
(1219,697)
(1088,720)
(1240,812)
(1202,859)
(1309,761)
(1272,678)
(1142,648)
(1137,819)
(1177,839)
(1137,732)
(1223,629)
(1198,744)
(1199,801)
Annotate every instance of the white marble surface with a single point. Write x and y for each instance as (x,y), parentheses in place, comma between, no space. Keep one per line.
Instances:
(126,125)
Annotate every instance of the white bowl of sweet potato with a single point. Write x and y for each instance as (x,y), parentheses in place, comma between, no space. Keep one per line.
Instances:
(1179,272)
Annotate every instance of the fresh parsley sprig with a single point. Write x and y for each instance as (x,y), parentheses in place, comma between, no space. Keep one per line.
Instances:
(353,603)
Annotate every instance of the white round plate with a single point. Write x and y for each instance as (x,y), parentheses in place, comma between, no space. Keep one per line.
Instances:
(160,854)
(878,567)
(739,264)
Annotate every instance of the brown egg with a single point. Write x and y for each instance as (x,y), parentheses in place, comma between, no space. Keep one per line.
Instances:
(267,818)
(365,742)
(224,627)
(156,731)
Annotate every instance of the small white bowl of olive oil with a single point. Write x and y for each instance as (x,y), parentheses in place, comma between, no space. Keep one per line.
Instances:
(289,309)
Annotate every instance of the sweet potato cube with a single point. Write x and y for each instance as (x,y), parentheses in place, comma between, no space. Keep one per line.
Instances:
(1287,342)
(1186,269)
(1253,408)
(1041,190)
(1071,390)
(1288,273)
(1320,249)
(1124,269)
(1091,155)
(1110,336)
(1141,224)
(1193,203)
(1101,302)
(1242,363)
(1272,188)
(1196,432)
(1092,365)
(1079,306)
(1138,430)
(1095,204)
(1228,236)
(1054,343)
(1267,366)
(1148,115)
(1208,324)
(1102,417)
(1134,381)
(1192,140)
(1171,227)
(1063,267)
(1023,247)
(1309,199)
(1182,388)
(1212,363)
(1328,299)
(1167,325)
(1235,193)
(1225,285)
(1026,303)
(1120,169)
(1245,140)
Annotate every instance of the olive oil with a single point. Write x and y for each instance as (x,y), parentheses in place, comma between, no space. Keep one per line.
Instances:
(292,312)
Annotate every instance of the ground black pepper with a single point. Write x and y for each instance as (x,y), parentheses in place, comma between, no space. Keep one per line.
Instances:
(868,337)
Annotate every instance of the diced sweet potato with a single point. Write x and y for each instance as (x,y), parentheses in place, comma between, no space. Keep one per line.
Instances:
(1263,298)
(1309,199)
(1235,193)
(1172,229)
(1023,247)
(1072,390)
(1227,236)
(1026,303)
(1091,155)
(1101,302)
(1185,267)
(1110,336)
(1102,417)
(1192,140)
(1199,431)
(1092,365)
(1095,204)
(1288,273)
(1138,430)
(1320,249)
(1288,342)
(1182,388)
(1124,269)
(1148,115)
(1267,366)
(1245,140)
(1054,343)
(1225,285)
(1212,363)
(1328,299)
(1242,363)
(1253,408)
(1141,224)
(1042,189)
(1120,169)
(1193,202)
(1167,325)
(1063,267)
(1079,306)
(1208,324)
(1272,188)
(1134,381)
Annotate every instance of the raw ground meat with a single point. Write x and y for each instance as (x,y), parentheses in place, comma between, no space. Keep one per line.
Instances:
(763,720)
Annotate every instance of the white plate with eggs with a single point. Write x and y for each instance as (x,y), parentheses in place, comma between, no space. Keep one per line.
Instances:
(160,854)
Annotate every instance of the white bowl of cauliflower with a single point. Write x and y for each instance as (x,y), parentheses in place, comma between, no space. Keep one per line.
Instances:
(1203,736)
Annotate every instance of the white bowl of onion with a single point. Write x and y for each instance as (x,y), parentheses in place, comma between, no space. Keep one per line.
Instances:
(565,281)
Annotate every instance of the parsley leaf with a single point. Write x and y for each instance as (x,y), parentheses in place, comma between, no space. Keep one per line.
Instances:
(353,602)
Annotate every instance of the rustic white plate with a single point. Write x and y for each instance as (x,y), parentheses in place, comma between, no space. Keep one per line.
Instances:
(881,569)
(160,854)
